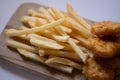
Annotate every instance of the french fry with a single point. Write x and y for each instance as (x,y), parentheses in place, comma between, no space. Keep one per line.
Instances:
(33,13)
(16,44)
(27,19)
(78,50)
(36,29)
(64,68)
(66,54)
(45,44)
(61,38)
(64,62)
(79,19)
(24,37)
(41,38)
(31,55)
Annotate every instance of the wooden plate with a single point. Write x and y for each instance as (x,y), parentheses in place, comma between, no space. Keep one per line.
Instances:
(17,60)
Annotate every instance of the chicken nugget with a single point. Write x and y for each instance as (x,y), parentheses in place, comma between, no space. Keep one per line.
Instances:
(103,48)
(106,28)
(94,70)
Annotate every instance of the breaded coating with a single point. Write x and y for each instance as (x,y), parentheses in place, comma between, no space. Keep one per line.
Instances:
(106,28)
(115,64)
(94,70)
(103,48)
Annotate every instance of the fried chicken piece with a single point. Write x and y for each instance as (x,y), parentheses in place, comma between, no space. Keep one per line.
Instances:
(103,48)
(94,70)
(106,28)
(115,64)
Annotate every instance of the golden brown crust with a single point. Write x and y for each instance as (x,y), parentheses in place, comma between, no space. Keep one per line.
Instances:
(105,28)
(115,64)
(94,70)
(102,48)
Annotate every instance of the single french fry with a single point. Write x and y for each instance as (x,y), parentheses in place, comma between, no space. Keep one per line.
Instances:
(45,44)
(41,38)
(61,38)
(78,50)
(64,61)
(66,54)
(33,13)
(16,44)
(64,68)
(31,55)
(36,29)
(78,18)
(24,37)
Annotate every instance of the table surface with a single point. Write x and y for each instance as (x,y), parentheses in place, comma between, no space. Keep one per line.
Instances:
(97,10)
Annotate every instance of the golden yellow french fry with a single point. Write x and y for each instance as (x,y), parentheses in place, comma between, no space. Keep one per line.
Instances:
(33,13)
(66,54)
(33,21)
(61,67)
(78,18)
(36,29)
(45,44)
(78,51)
(61,38)
(16,44)
(31,55)
(41,38)
(64,61)
(24,37)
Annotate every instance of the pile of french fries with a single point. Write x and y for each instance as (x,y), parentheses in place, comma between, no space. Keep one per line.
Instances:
(52,37)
